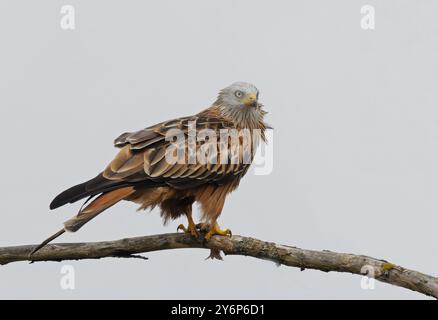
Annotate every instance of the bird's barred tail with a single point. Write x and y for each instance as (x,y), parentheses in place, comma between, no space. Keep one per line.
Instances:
(101,203)
(92,187)
(98,205)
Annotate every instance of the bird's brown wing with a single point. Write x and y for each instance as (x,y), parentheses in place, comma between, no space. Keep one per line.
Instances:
(143,156)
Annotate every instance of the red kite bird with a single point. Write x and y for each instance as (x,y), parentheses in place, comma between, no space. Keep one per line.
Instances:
(141,172)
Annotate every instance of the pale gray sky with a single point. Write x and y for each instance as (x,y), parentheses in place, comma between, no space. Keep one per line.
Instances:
(356,136)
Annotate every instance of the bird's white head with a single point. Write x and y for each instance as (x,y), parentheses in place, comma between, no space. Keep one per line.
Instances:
(239,103)
(239,94)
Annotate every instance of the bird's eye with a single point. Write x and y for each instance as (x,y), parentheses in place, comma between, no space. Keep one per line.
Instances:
(238,94)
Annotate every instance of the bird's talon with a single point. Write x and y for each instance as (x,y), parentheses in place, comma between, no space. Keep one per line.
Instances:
(190,229)
(215,230)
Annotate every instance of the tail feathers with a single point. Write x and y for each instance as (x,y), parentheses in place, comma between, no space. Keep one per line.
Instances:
(101,203)
(45,242)
(89,188)
(98,205)
(70,195)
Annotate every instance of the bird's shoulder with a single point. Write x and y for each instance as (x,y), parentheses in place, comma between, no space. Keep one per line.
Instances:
(207,119)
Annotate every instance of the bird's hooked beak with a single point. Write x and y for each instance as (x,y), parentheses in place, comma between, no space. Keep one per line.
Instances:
(250,100)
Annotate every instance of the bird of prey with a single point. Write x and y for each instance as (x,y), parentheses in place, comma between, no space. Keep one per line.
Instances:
(142,173)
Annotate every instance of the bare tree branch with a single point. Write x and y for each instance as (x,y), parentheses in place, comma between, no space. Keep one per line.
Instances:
(236,245)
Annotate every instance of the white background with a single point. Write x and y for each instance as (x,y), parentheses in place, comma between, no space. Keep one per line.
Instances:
(355,117)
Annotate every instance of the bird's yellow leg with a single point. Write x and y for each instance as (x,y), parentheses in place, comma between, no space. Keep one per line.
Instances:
(191,228)
(215,229)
